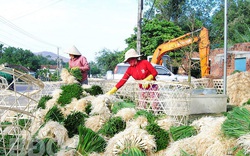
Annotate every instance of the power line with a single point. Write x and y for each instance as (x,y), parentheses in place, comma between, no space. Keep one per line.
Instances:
(31,12)
(17,39)
(8,38)
(4,43)
(16,28)
(151,9)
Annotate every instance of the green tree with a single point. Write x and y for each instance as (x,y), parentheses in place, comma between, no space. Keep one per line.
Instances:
(108,59)
(180,12)
(18,56)
(1,50)
(201,10)
(43,74)
(42,60)
(94,69)
(169,10)
(155,32)
(238,23)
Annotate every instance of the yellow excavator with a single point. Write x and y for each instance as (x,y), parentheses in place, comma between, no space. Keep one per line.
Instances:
(185,40)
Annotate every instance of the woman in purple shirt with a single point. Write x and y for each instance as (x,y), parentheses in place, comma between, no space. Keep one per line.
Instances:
(79,61)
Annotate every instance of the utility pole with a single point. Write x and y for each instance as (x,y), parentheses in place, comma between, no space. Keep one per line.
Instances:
(225,49)
(140,8)
(57,62)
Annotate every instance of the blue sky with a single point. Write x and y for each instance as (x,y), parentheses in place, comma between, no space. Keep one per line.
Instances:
(90,25)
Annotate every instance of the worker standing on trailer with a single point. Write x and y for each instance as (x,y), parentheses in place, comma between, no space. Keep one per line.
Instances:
(139,70)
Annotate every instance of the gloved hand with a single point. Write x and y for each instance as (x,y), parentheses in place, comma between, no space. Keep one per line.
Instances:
(148,78)
(112,91)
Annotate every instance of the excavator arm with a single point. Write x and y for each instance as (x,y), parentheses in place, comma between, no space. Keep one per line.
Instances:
(185,40)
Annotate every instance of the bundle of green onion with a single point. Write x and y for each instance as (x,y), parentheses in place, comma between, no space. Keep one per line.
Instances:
(237,122)
(120,105)
(89,141)
(113,126)
(181,132)
(76,72)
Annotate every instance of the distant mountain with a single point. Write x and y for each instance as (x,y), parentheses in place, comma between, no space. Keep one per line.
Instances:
(53,56)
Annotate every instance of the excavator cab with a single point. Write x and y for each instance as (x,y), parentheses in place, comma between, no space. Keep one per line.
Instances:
(165,61)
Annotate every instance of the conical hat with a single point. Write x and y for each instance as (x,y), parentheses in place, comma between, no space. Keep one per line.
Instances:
(73,50)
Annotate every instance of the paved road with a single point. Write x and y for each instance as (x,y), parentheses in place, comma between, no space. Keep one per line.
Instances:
(15,101)
(23,87)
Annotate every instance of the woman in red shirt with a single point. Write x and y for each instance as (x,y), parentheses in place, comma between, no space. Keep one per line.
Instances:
(139,70)
(79,61)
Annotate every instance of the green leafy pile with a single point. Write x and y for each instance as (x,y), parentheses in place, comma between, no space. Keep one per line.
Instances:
(43,100)
(120,105)
(88,108)
(149,115)
(113,126)
(72,122)
(54,114)
(94,90)
(68,92)
(76,72)
(237,122)
(181,132)
(90,141)
(161,136)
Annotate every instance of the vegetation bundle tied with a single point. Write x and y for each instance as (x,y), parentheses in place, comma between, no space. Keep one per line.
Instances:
(54,114)
(181,132)
(161,136)
(90,141)
(72,122)
(149,115)
(120,105)
(237,122)
(94,90)
(69,91)
(43,100)
(113,126)
(76,72)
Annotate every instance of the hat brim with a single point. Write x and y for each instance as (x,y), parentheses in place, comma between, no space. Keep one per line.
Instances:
(126,60)
(73,51)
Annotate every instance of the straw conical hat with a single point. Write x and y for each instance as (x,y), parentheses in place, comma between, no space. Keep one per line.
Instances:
(73,50)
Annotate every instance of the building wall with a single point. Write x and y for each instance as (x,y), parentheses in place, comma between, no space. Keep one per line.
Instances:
(216,57)
(239,50)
